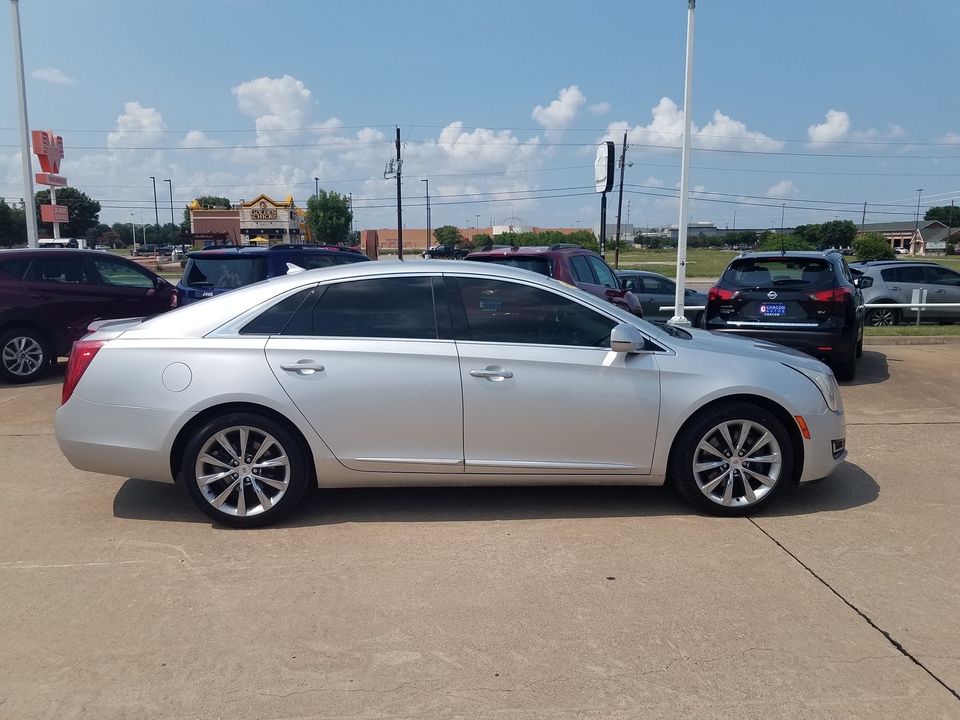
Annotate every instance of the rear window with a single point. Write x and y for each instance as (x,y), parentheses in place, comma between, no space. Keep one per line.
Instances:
(540,265)
(789,272)
(223,271)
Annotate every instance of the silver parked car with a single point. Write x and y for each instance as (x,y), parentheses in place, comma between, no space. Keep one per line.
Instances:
(655,291)
(893,282)
(425,373)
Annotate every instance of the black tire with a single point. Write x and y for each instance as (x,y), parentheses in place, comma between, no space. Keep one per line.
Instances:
(698,321)
(860,343)
(427,256)
(882,317)
(845,368)
(749,460)
(25,355)
(244,470)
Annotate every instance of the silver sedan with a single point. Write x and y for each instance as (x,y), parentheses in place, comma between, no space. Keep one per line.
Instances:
(414,373)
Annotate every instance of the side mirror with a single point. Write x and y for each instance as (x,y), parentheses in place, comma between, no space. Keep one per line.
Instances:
(863,282)
(625,338)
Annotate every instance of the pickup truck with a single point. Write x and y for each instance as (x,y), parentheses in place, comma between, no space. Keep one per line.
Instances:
(448,251)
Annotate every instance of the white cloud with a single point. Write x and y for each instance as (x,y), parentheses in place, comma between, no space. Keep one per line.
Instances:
(561,113)
(600,108)
(783,189)
(54,76)
(275,104)
(197,139)
(836,128)
(951,138)
(137,127)
(667,127)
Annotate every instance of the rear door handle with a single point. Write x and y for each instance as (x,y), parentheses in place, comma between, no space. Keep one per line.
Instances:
(494,374)
(302,367)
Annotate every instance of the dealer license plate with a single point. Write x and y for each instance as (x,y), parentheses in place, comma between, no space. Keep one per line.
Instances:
(768,309)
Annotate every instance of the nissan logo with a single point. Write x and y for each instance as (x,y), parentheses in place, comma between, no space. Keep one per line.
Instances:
(772,295)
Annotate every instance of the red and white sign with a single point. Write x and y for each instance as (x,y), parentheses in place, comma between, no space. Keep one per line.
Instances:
(51,180)
(49,148)
(54,213)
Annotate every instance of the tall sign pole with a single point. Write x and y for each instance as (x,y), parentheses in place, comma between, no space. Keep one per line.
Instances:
(603,177)
(399,203)
(679,318)
(30,209)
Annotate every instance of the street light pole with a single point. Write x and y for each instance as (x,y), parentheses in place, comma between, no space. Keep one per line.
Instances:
(316,187)
(623,162)
(133,228)
(783,209)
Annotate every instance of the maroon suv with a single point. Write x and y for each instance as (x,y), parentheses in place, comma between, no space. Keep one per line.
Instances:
(569,263)
(48,297)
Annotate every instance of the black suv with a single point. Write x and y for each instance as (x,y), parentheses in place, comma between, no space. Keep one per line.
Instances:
(220,268)
(569,263)
(448,251)
(805,300)
(49,296)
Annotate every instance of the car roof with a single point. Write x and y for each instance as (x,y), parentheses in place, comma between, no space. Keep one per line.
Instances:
(787,253)
(530,249)
(216,250)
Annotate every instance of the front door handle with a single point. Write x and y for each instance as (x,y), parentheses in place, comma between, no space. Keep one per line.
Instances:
(492,373)
(302,367)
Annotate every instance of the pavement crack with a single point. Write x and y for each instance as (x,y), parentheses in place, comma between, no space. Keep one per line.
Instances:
(899,647)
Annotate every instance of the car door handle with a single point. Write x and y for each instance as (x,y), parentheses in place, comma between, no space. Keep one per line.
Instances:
(303,367)
(494,374)
(940,292)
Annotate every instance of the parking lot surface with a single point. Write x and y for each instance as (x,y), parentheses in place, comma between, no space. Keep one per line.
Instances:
(120,600)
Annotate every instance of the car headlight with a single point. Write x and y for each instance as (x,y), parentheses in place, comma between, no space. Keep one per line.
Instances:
(826,383)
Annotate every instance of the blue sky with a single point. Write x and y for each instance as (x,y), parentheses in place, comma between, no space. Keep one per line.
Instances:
(802,110)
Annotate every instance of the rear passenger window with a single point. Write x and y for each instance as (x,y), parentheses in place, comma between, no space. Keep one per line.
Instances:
(373,308)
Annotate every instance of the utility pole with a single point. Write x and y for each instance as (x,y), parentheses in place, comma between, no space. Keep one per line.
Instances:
(623,162)
(863,218)
(427,181)
(29,202)
(399,203)
(156,208)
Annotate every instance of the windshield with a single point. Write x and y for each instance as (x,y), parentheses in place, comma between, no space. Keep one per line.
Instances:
(224,271)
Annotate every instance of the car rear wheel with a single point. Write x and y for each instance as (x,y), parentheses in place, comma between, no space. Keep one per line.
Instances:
(244,470)
(732,459)
(882,317)
(24,355)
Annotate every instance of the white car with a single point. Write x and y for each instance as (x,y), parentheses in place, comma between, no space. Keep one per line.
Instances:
(419,373)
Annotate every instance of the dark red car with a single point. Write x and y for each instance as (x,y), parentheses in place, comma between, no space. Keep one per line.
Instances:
(48,297)
(568,263)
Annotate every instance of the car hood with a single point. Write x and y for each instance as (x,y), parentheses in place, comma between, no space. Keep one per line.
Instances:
(737,346)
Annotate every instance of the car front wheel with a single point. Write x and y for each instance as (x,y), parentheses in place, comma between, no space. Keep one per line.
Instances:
(244,470)
(24,355)
(732,459)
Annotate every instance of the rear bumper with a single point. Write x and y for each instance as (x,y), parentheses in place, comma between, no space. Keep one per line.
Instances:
(819,344)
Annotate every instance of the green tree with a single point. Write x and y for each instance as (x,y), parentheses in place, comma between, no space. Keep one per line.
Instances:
(949,215)
(771,242)
(873,246)
(13,225)
(84,212)
(329,217)
(205,201)
(447,234)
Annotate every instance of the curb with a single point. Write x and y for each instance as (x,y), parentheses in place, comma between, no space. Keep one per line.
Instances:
(911,339)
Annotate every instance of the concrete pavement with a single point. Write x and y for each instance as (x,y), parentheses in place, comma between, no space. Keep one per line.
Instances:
(121,601)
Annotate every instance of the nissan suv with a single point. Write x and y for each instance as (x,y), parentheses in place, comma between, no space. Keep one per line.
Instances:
(805,300)
(893,282)
(568,263)
(49,296)
(220,268)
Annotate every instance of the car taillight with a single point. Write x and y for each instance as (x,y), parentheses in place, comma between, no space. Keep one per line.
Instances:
(839,294)
(80,358)
(717,293)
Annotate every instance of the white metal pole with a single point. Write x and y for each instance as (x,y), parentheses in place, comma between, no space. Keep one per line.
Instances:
(679,318)
(28,201)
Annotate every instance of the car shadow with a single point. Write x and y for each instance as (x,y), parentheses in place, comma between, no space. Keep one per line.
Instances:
(849,487)
(872,368)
